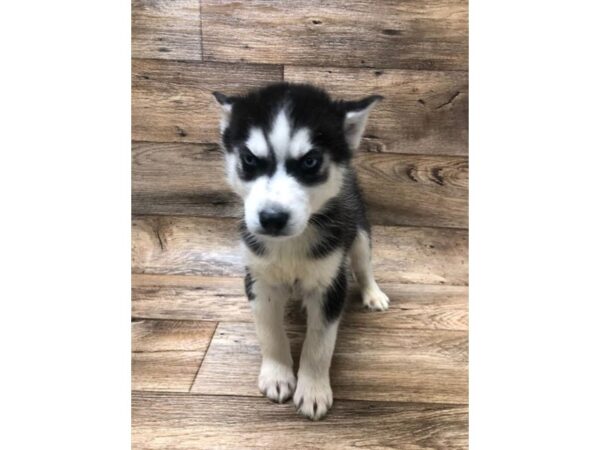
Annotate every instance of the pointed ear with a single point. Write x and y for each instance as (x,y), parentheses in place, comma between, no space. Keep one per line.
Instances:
(355,121)
(226,105)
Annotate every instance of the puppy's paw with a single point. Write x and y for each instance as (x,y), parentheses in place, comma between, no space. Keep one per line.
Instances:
(313,398)
(375,299)
(276,381)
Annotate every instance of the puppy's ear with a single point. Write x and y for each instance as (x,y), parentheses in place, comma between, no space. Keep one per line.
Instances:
(226,106)
(355,121)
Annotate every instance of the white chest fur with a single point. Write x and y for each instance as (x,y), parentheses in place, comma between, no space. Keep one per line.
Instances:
(288,263)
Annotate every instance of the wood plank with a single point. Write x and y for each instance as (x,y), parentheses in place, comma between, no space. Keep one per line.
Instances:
(207,246)
(172,100)
(180,421)
(423,112)
(382,33)
(186,245)
(166,355)
(169,335)
(181,179)
(189,179)
(164,371)
(368,364)
(415,190)
(179,297)
(189,298)
(168,29)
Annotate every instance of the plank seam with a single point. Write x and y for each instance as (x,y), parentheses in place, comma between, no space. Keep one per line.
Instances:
(368,67)
(208,63)
(249,321)
(218,144)
(139,352)
(399,68)
(204,356)
(344,400)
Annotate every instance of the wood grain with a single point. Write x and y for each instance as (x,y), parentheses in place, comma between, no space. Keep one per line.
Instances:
(168,29)
(414,190)
(166,355)
(382,33)
(181,179)
(413,306)
(174,421)
(368,364)
(400,378)
(172,100)
(207,246)
(186,245)
(189,179)
(422,112)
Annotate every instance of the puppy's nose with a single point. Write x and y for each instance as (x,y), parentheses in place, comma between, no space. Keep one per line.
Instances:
(273,220)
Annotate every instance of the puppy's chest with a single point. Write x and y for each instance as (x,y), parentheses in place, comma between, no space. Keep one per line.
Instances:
(290,264)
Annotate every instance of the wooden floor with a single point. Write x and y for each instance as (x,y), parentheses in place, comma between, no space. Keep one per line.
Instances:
(399,377)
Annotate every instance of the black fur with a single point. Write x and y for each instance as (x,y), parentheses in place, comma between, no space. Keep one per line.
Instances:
(251,241)
(340,219)
(308,177)
(260,166)
(335,296)
(308,107)
(248,284)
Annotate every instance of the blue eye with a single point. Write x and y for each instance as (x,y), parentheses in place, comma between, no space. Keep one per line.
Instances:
(248,158)
(311,161)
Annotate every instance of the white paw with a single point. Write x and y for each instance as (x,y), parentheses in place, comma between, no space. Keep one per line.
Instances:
(375,299)
(276,381)
(313,398)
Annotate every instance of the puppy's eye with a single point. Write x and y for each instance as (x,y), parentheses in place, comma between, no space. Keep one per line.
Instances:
(311,161)
(248,158)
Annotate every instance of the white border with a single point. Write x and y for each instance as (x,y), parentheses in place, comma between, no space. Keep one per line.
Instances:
(534,245)
(65,226)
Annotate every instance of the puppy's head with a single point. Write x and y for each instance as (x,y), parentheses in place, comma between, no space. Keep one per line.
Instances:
(287,148)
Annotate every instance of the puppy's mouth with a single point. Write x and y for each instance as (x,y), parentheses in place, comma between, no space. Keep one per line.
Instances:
(279,235)
(282,234)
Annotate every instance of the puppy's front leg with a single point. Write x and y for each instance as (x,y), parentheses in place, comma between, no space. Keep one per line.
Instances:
(276,379)
(313,396)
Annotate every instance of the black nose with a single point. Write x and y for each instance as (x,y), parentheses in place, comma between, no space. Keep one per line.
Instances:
(273,220)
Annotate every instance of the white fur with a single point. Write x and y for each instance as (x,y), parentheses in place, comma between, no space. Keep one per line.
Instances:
(313,396)
(257,143)
(300,144)
(355,124)
(239,187)
(360,254)
(276,379)
(281,190)
(287,262)
(285,269)
(225,115)
(319,195)
(280,134)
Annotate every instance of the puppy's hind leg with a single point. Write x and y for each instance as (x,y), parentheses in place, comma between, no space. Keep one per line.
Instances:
(360,256)
(276,380)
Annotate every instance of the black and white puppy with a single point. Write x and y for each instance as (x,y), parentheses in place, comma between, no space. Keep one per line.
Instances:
(287,152)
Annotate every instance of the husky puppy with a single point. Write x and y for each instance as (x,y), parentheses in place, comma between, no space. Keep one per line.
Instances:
(287,153)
